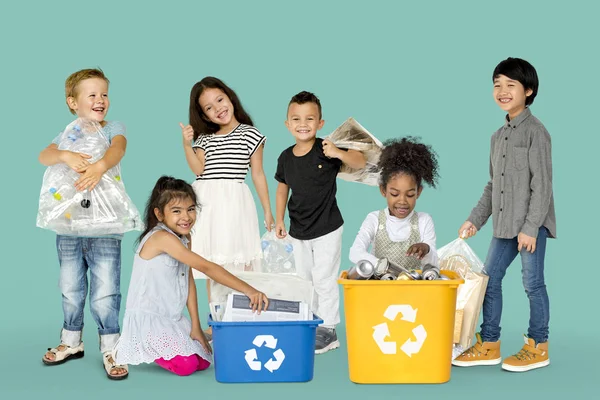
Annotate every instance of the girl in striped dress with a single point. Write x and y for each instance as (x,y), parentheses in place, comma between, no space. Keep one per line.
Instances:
(220,145)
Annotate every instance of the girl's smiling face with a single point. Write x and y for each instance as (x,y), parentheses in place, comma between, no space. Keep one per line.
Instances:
(401,193)
(217,107)
(178,215)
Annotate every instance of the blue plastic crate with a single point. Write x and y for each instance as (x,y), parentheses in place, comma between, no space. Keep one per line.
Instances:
(264,351)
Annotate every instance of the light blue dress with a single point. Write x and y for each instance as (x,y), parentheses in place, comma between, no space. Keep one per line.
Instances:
(154,325)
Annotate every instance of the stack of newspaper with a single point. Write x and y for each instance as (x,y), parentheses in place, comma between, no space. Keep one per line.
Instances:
(238,309)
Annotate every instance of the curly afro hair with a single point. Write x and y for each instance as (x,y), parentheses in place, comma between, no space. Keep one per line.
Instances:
(408,156)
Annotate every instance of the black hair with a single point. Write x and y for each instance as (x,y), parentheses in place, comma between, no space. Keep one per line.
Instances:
(521,71)
(166,189)
(198,120)
(408,156)
(306,97)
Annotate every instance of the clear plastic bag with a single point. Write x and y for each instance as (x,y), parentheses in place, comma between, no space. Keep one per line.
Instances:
(278,254)
(107,209)
(457,256)
(353,136)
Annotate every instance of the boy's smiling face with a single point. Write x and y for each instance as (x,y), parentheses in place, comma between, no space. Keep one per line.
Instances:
(304,121)
(510,95)
(91,99)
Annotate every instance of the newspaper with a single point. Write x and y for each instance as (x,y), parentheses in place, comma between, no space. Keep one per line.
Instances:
(238,309)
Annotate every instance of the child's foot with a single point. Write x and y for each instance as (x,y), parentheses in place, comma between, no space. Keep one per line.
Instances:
(113,370)
(326,340)
(531,356)
(62,353)
(481,353)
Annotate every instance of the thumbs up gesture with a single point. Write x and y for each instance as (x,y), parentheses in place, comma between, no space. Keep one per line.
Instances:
(188,133)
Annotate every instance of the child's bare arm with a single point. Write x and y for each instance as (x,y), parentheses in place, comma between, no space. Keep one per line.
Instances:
(194,157)
(352,158)
(281,198)
(92,175)
(192,303)
(260,183)
(164,242)
(51,155)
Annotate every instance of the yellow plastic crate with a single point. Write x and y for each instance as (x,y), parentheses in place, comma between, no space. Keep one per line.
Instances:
(400,331)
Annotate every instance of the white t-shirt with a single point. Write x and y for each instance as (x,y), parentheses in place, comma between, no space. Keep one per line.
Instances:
(398,230)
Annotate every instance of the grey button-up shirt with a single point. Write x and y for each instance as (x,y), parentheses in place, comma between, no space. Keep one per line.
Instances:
(519,194)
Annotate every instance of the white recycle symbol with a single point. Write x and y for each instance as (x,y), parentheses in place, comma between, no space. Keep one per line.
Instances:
(271,365)
(382,331)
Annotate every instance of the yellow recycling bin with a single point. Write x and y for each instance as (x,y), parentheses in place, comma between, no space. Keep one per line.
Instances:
(400,331)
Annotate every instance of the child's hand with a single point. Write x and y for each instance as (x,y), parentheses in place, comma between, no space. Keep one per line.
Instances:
(198,335)
(188,133)
(269,221)
(258,300)
(280,230)
(330,150)
(527,242)
(418,250)
(78,162)
(467,230)
(90,178)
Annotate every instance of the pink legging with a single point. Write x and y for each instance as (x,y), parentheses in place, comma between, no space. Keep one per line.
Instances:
(184,365)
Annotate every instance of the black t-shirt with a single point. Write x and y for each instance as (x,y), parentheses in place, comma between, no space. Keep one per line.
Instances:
(312,181)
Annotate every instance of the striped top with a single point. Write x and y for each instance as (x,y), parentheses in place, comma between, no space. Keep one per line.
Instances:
(228,156)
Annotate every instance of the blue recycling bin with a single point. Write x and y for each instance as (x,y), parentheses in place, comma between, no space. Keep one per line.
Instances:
(247,352)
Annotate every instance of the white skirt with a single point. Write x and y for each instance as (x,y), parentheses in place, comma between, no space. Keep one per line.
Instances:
(226,230)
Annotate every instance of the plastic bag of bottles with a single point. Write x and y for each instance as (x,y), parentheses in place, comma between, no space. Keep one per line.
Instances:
(353,136)
(107,209)
(278,254)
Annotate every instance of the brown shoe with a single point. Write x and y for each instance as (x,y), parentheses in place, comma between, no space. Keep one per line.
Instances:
(531,356)
(481,353)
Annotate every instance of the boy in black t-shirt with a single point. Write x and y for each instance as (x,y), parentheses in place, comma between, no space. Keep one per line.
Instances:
(309,169)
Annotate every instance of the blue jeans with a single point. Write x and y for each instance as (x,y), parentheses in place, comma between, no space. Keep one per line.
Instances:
(501,254)
(102,257)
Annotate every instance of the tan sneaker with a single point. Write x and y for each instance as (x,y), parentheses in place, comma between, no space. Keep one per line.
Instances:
(481,353)
(531,356)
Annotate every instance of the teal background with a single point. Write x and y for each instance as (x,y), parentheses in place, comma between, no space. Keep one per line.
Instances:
(420,68)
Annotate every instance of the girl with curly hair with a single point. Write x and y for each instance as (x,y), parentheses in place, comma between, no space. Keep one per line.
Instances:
(399,233)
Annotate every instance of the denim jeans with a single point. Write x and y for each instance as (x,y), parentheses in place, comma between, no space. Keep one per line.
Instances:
(501,254)
(102,258)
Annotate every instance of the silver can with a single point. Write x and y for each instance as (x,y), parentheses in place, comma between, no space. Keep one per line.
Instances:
(430,272)
(408,276)
(384,266)
(381,267)
(387,277)
(361,271)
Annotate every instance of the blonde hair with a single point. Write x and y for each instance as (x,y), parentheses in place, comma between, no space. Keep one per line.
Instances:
(75,78)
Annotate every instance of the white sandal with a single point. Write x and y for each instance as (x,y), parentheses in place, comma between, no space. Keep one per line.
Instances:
(109,364)
(64,355)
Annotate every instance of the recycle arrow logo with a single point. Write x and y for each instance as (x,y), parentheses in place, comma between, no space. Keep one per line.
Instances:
(273,363)
(381,331)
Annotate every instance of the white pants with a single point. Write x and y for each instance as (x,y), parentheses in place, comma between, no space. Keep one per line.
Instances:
(318,260)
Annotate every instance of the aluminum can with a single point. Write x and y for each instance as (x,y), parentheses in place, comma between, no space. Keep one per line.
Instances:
(361,271)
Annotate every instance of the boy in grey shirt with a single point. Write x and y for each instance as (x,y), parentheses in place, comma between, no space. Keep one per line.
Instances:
(519,198)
